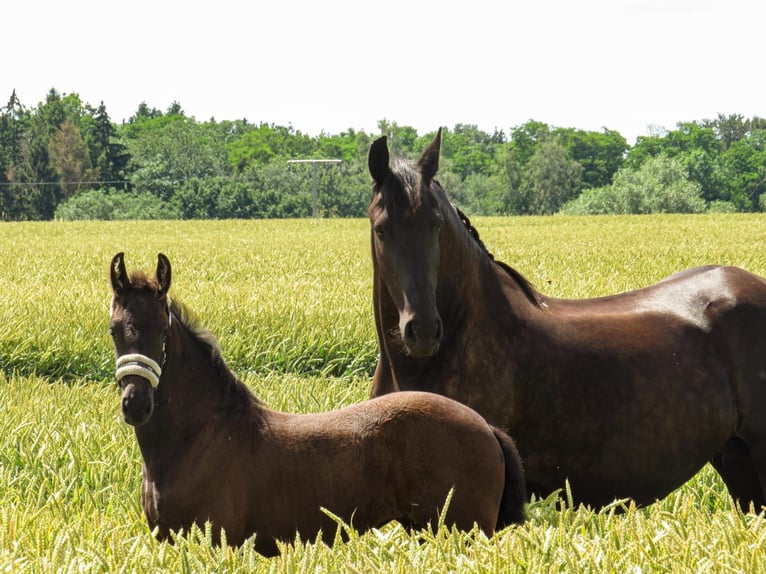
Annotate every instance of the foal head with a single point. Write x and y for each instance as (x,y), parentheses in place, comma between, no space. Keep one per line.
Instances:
(139,326)
(406,219)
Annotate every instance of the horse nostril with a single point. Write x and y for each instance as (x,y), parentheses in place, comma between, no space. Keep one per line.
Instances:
(409,331)
(137,404)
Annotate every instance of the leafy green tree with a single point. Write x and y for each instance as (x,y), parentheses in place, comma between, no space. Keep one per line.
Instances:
(39,190)
(701,166)
(730,129)
(237,169)
(348,146)
(113,204)
(484,194)
(596,201)
(144,112)
(265,195)
(108,154)
(215,198)
(471,150)
(175,109)
(599,154)
(259,145)
(510,169)
(646,147)
(169,150)
(660,185)
(525,138)
(687,137)
(69,157)
(742,172)
(343,191)
(14,120)
(696,145)
(403,141)
(13,123)
(550,178)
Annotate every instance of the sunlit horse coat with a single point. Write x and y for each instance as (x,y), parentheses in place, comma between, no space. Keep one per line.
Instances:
(625,396)
(213,452)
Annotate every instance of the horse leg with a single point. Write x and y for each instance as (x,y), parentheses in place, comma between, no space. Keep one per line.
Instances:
(737,469)
(756,446)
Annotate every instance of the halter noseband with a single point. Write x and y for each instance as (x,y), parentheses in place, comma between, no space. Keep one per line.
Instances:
(141,365)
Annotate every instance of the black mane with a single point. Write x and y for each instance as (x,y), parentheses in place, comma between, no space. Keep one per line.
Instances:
(208,343)
(523,283)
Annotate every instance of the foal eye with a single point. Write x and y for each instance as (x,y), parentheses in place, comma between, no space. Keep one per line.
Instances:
(110,330)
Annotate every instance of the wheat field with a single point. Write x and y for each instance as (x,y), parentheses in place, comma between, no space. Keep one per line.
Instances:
(290,303)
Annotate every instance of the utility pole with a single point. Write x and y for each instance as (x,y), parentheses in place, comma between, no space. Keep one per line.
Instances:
(314,163)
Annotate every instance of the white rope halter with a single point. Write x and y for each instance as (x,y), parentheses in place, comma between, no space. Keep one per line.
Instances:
(140,365)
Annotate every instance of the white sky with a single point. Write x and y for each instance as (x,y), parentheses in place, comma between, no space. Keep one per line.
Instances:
(339,64)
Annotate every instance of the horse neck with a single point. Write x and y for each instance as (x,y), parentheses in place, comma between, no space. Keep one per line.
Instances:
(476,287)
(465,267)
(194,390)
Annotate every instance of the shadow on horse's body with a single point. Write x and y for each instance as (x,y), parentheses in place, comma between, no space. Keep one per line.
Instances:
(213,452)
(626,396)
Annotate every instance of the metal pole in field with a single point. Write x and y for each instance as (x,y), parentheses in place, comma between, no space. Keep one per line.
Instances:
(314,163)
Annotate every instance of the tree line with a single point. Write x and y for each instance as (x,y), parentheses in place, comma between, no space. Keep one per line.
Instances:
(64,159)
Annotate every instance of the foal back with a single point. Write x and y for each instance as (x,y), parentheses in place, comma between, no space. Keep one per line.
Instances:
(397,457)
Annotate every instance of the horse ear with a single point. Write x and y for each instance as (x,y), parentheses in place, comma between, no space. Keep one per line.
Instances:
(163,274)
(118,274)
(377,160)
(429,161)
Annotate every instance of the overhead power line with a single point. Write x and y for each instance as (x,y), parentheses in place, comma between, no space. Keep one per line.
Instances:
(19,183)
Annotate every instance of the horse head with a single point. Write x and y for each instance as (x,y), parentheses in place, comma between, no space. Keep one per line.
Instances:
(406,222)
(139,326)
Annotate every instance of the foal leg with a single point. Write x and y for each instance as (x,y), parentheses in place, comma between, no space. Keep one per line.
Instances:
(737,469)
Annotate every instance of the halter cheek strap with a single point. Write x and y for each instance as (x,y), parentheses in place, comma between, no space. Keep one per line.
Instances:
(140,365)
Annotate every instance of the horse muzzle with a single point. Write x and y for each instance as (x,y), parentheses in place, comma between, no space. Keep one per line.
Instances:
(138,376)
(137,401)
(422,338)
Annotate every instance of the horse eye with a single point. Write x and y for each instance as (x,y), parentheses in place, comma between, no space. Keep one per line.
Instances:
(380,231)
(110,330)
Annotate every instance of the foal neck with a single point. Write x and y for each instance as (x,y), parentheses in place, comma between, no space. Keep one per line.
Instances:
(196,372)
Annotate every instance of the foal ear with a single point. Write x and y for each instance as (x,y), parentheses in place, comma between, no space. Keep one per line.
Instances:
(429,161)
(377,160)
(118,274)
(163,274)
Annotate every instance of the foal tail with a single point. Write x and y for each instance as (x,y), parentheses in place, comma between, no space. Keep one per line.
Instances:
(515,492)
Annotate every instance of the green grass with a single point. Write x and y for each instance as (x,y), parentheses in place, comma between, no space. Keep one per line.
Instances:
(288,296)
(290,302)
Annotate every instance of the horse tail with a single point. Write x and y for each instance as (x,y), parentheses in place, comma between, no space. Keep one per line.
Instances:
(514,495)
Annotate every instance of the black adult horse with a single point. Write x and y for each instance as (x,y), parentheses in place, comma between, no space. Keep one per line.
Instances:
(213,452)
(626,396)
